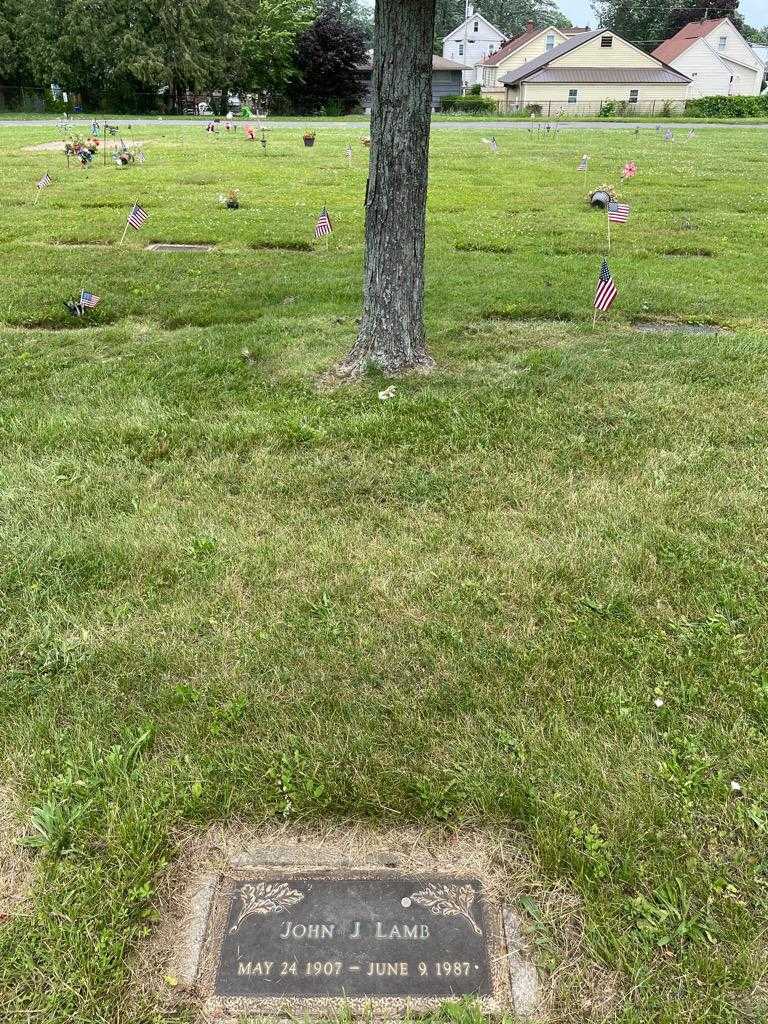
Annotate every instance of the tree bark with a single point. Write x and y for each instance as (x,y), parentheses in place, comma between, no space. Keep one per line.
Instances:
(392,335)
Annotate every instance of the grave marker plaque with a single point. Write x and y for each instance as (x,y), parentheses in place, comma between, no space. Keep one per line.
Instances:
(361,936)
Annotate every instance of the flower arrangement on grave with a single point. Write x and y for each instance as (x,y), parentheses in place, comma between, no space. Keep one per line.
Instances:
(231,200)
(309,138)
(602,195)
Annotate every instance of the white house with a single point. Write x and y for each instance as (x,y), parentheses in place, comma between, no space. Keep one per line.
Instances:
(761,52)
(471,42)
(716,57)
(590,69)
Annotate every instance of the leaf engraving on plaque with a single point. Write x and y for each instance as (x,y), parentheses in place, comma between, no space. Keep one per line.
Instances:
(265,898)
(448,901)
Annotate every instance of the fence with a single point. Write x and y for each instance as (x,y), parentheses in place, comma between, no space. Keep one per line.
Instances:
(607,108)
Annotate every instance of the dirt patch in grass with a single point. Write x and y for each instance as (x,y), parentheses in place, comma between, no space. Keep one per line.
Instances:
(15,863)
(283,246)
(700,253)
(571,986)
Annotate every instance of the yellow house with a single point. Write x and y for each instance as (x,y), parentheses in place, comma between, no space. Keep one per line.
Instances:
(590,69)
(532,43)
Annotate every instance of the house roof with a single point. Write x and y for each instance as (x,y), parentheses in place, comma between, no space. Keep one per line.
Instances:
(438,63)
(474,17)
(514,44)
(600,76)
(527,71)
(544,58)
(443,64)
(685,38)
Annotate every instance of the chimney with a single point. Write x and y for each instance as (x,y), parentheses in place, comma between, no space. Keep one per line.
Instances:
(529,26)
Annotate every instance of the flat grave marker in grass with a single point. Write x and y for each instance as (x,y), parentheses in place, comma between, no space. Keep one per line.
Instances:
(665,327)
(353,935)
(303,934)
(178,247)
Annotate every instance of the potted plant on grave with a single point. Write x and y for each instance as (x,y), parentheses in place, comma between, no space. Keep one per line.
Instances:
(601,196)
(309,138)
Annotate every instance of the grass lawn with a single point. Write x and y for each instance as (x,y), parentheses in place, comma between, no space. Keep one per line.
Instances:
(227,593)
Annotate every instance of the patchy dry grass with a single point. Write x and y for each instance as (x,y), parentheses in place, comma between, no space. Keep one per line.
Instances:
(528,592)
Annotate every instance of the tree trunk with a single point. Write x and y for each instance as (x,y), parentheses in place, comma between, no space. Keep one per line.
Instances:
(392,335)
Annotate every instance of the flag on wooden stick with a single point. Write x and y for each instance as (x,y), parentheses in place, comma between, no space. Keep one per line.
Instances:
(45,181)
(323,228)
(138,217)
(606,289)
(88,300)
(618,213)
(583,163)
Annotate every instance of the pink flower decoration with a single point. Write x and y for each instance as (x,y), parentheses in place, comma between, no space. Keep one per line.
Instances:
(630,170)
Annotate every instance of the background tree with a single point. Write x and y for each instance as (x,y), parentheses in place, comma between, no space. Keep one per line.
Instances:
(14,64)
(653,21)
(755,35)
(329,55)
(392,334)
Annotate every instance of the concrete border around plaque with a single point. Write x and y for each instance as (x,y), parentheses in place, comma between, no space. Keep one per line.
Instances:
(278,932)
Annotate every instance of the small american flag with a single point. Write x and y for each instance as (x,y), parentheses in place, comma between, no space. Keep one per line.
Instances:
(618,213)
(45,181)
(583,163)
(88,300)
(606,289)
(137,218)
(323,226)
(667,134)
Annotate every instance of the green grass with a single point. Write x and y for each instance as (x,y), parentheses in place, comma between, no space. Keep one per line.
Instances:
(456,607)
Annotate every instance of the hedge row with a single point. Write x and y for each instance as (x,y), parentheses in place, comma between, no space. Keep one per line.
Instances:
(469,105)
(728,106)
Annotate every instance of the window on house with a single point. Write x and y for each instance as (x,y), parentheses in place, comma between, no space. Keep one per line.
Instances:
(477,27)
(551,41)
(606,42)
(573,95)
(461,49)
(722,42)
(633,94)
(489,77)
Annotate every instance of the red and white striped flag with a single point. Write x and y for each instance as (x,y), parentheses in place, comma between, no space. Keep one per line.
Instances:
(618,213)
(138,217)
(323,226)
(606,289)
(45,181)
(88,300)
